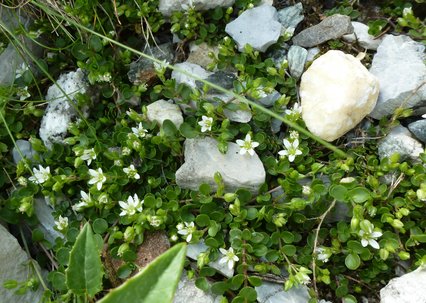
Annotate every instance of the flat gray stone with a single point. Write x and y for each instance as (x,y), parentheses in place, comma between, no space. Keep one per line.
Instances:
(408,288)
(332,27)
(270,99)
(296,60)
(199,54)
(167,7)
(161,110)
(47,222)
(26,149)
(362,37)
(143,70)
(189,68)
(203,160)
(274,293)
(400,141)
(418,129)
(194,250)
(291,16)
(188,292)
(399,66)
(14,265)
(258,27)
(60,111)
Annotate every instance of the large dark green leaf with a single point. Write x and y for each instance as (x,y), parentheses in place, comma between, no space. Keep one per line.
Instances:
(156,283)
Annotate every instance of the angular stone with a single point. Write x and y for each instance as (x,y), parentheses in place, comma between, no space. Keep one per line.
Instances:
(400,141)
(14,264)
(26,149)
(162,110)
(47,222)
(167,7)
(60,111)
(291,16)
(188,292)
(239,115)
(296,60)
(312,53)
(332,27)
(220,78)
(143,70)
(408,288)
(199,54)
(258,27)
(279,55)
(203,160)
(190,68)
(274,293)
(270,99)
(194,250)
(337,92)
(418,128)
(362,37)
(399,66)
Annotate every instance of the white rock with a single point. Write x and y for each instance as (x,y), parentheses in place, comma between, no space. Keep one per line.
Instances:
(203,159)
(14,265)
(362,36)
(399,66)
(274,293)
(409,288)
(187,292)
(60,111)
(167,7)
(337,92)
(194,250)
(162,110)
(401,141)
(189,68)
(258,27)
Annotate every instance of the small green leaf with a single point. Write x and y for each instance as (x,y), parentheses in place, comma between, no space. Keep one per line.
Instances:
(352,261)
(202,284)
(100,226)
(249,293)
(169,128)
(359,194)
(219,288)
(188,131)
(155,283)
(84,274)
(255,281)
(339,192)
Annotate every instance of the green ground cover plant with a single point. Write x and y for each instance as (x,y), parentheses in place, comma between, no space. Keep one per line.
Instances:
(113,180)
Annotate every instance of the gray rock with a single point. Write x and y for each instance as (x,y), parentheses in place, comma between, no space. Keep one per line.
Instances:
(258,27)
(143,70)
(187,292)
(362,37)
(203,159)
(14,264)
(60,111)
(274,293)
(161,110)
(312,53)
(47,222)
(270,99)
(418,128)
(11,58)
(167,7)
(296,60)
(220,78)
(239,115)
(279,56)
(189,68)
(400,141)
(199,54)
(194,250)
(291,16)
(399,66)
(332,27)
(26,149)
(276,125)
(409,288)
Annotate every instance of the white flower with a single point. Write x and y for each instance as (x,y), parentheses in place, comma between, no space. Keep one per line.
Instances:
(206,124)
(98,178)
(154,221)
(302,275)
(186,230)
(139,131)
(132,172)
(21,70)
(118,162)
(292,150)
(369,236)
(407,11)
(104,78)
(294,134)
(62,223)
(296,110)
(41,175)
(247,146)
(85,201)
(133,204)
(88,155)
(306,190)
(22,181)
(229,257)
(126,151)
(23,93)
(323,253)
